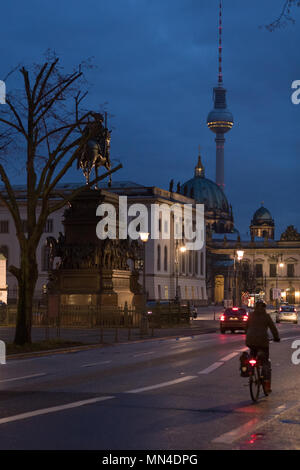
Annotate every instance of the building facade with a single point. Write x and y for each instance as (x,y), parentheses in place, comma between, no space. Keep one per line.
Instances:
(168,270)
(269,268)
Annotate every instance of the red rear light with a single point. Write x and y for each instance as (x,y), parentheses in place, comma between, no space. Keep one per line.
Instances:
(245,317)
(235,308)
(252,362)
(222,318)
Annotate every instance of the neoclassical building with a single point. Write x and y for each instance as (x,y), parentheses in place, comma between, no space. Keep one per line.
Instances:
(168,270)
(267,265)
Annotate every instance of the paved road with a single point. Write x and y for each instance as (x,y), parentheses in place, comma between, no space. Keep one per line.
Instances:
(161,394)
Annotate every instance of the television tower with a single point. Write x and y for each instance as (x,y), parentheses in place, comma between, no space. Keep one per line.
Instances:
(220,119)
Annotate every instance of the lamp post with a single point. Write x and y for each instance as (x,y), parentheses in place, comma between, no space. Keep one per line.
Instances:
(182,250)
(144,236)
(280,265)
(239,256)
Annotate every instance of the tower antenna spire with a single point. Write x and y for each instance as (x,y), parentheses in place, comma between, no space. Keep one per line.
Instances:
(220,119)
(220,74)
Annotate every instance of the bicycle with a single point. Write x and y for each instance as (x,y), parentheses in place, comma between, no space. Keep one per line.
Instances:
(256,378)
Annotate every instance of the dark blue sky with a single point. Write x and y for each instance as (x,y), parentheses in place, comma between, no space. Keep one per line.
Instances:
(156,67)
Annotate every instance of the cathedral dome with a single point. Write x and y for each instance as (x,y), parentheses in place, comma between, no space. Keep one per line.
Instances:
(262,216)
(218,212)
(205,191)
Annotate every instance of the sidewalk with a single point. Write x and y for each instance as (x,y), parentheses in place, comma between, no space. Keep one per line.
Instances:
(112,335)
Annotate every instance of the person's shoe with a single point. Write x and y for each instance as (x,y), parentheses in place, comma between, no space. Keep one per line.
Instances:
(267,386)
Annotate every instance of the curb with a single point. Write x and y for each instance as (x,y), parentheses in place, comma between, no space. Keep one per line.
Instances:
(74,349)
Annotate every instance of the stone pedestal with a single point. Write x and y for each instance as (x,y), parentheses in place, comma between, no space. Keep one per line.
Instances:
(92,272)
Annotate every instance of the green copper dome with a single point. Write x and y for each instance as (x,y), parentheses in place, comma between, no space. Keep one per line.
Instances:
(262,216)
(205,191)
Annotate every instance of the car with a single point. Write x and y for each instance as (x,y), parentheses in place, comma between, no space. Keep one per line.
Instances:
(234,318)
(287,313)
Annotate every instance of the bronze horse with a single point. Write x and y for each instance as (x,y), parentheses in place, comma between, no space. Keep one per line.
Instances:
(96,152)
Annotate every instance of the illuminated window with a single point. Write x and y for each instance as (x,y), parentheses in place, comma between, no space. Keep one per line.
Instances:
(166,292)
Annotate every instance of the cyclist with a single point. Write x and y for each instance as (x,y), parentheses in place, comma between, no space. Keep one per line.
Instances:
(257,338)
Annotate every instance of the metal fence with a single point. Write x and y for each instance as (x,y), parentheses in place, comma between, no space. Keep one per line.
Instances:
(103,318)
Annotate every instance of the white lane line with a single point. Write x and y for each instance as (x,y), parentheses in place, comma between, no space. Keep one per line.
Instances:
(231,436)
(22,378)
(211,368)
(96,364)
(229,356)
(53,409)
(163,384)
(243,349)
(143,354)
(253,424)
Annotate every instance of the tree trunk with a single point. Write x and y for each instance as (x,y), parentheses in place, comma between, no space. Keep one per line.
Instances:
(27,279)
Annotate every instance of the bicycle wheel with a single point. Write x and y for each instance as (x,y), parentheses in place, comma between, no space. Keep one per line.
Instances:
(254,384)
(262,379)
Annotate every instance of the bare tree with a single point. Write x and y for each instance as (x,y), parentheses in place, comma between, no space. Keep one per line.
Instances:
(285,15)
(41,123)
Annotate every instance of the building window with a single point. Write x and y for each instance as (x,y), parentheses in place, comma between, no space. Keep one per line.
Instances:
(201,264)
(259,270)
(48,226)
(183,263)
(186,292)
(159,291)
(166,258)
(190,261)
(193,292)
(196,262)
(290,270)
(166,292)
(4,226)
(158,257)
(45,258)
(273,272)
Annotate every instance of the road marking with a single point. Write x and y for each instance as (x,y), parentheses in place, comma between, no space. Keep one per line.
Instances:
(96,364)
(53,409)
(22,378)
(231,436)
(253,424)
(143,354)
(211,368)
(229,356)
(163,384)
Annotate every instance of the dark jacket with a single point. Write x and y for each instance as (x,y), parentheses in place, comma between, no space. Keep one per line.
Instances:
(257,330)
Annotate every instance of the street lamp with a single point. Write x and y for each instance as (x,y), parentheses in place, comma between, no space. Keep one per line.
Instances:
(144,236)
(281,265)
(240,256)
(182,250)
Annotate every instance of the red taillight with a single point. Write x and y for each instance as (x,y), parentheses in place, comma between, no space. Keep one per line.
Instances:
(235,308)
(245,317)
(252,362)
(222,318)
